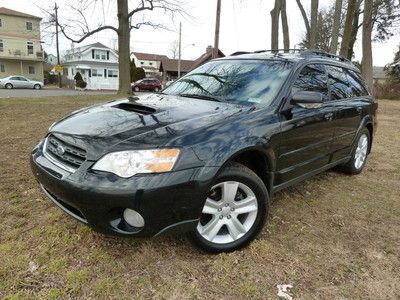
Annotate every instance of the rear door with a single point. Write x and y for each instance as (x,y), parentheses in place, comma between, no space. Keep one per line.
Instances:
(347,94)
(15,82)
(306,131)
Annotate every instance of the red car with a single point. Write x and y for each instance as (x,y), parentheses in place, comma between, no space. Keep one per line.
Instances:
(146,84)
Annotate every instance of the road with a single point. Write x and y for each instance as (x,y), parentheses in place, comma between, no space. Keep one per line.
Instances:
(5,93)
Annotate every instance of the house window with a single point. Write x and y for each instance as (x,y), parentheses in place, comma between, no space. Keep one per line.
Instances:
(1,46)
(31,70)
(142,62)
(1,23)
(96,73)
(2,68)
(150,63)
(29,26)
(103,56)
(112,73)
(30,47)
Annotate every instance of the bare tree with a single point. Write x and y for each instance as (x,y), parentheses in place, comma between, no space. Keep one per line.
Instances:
(285,26)
(275,25)
(174,49)
(78,29)
(351,8)
(366,63)
(313,23)
(336,26)
(279,9)
(305,18)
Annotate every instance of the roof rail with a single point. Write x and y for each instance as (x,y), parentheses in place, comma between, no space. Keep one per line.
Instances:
(302,52)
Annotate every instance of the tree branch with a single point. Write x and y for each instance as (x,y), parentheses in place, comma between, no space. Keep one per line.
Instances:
(86,34)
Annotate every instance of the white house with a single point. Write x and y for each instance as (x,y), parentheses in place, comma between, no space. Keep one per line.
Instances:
(97,64)
(51,59)
(149,62)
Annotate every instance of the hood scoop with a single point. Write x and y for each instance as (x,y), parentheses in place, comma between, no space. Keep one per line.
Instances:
(140,109)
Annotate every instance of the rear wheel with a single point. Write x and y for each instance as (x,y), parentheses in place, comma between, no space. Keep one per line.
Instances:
(9,86)
(234,212)
(359,155)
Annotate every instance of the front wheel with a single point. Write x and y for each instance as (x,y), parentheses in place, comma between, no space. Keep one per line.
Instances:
(37,87)
(156,90)
(136,89)
(234,212)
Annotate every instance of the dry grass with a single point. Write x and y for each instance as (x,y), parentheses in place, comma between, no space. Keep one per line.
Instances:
(332,237)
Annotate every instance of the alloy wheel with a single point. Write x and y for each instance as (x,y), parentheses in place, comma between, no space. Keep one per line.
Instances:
(361,151)
(229,212)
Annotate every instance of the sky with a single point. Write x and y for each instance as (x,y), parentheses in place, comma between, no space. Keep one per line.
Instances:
(245,26)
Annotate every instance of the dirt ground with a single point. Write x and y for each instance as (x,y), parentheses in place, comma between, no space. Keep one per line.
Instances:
(331,237)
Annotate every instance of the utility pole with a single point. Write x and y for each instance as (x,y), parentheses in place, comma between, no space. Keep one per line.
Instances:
(57,46)
(180,49)
(216,38)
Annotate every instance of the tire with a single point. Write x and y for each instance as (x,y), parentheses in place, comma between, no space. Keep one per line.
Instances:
(37,87)
(218,229)
(359,154)
(136,89)
(156,89)
(9,86)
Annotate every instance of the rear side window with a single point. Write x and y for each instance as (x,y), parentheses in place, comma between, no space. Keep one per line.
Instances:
(356,84)
(338,83)
(312,78)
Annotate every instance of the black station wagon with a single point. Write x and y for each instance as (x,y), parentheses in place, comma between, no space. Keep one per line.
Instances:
(206,154)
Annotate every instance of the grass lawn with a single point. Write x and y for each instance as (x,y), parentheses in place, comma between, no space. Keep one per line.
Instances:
(333,236)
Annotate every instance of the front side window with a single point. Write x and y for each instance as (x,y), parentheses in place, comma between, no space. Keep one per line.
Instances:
(238,81)
(29,46)
(29,26)
(22,78)
(338,83)
(312,78)
(31,70)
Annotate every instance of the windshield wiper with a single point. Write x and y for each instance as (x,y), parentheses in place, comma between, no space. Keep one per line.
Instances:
(205,97)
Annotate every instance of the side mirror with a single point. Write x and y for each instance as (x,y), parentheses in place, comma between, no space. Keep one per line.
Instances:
(305,97)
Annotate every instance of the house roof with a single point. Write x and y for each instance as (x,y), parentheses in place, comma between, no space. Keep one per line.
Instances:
(10,12)
(149,56)
(171,65)
(206,57)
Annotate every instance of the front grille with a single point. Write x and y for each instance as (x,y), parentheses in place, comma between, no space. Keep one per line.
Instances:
(65,153)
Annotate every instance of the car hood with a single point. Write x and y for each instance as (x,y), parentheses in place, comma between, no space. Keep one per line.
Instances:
(153,119)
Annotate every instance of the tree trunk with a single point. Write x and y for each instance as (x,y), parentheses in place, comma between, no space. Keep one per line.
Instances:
(335,27)
(313,24)
(123,48)
(285,27)
(275,26)
(344,48)
(366,63)
(354,30)
(305,19)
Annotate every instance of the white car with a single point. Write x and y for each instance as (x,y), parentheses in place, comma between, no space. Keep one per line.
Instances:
(20,82)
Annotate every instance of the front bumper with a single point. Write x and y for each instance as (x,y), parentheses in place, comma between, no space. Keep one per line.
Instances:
(168,202)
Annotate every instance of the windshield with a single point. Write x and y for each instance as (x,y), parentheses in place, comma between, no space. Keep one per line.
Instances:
(237,81)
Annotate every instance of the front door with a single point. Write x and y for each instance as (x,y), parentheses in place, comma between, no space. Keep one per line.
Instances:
(306,131)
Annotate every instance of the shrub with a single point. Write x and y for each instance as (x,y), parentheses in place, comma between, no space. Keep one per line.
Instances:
(387,90)
(79,81)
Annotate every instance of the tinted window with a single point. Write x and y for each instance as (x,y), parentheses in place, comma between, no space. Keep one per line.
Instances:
(239,81)
(14,78)
(357,82)
(338,83)
(312,78)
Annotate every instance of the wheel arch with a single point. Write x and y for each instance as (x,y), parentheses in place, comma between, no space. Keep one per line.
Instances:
(260,161)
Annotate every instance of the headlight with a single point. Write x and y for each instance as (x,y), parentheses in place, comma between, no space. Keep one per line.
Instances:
(128,163)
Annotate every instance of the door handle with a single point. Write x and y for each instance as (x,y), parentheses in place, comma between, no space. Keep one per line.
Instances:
(328,116)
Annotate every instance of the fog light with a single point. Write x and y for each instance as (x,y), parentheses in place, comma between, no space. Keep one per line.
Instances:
(133,218)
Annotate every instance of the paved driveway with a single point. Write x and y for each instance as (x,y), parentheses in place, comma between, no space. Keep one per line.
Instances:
(5,93)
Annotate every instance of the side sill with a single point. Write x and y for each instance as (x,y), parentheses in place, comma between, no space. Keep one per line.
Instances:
(281,186)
